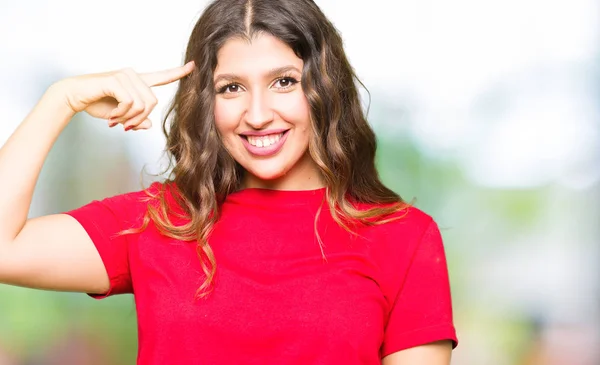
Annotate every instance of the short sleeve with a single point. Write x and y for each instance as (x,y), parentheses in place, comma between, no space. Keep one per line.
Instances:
(104,221)
(422,311)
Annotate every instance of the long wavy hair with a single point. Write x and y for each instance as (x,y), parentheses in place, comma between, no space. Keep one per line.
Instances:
(342,144)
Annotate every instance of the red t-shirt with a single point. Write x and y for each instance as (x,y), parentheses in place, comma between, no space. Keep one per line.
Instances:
(275,299)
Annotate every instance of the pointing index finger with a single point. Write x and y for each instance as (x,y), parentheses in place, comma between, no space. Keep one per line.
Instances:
(165,77)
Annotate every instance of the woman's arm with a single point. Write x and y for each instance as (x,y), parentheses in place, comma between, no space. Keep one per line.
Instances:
(436,353)
(54,252)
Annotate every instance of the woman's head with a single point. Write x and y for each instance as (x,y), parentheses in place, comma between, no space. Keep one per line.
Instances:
(261,113)
(243,44)
(274,67)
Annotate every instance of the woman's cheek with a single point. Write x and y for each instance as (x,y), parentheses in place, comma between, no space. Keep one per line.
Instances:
(295,109)
(225,115)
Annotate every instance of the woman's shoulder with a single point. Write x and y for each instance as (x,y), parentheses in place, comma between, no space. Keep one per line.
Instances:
(410,218)
(136,202)
(404,234)
(404,231)
(407,218)
(137,197)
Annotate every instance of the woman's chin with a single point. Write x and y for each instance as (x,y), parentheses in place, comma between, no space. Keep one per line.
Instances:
(265,177)
(280,173)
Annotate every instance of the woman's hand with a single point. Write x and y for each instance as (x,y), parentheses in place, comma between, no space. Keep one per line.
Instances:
(122,97)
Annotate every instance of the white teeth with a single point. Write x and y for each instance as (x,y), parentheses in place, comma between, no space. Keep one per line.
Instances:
(264,141)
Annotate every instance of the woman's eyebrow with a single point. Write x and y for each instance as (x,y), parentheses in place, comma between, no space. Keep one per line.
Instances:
(226,77)
(271,74)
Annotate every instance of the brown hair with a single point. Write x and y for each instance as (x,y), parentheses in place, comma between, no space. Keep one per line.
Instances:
(343,144)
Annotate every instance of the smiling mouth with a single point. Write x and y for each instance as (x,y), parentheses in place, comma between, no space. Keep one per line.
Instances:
(264,141)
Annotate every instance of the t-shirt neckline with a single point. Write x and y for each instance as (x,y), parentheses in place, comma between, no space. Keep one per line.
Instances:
(278,197)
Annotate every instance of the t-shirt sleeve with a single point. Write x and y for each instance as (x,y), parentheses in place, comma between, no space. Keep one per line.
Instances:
(104,222)
(422,311)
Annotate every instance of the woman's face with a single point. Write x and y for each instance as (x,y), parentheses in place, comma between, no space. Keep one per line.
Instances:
(262,115)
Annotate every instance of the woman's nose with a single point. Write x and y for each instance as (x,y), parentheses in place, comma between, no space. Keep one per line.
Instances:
(259,113)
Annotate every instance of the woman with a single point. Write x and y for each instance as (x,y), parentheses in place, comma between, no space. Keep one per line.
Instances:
(274,240)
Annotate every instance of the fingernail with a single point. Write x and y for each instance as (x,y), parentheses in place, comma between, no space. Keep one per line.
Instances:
(128,128)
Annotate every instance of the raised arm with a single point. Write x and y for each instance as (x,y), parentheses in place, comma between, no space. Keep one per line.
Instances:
(54,252)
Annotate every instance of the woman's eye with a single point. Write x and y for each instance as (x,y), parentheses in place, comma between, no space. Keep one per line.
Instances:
(285,82)
(233,88)
(230,89)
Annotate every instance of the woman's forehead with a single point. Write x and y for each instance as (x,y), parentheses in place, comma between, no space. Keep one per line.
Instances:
(259,55)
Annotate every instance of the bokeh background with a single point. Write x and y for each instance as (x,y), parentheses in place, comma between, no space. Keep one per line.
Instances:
(487,113)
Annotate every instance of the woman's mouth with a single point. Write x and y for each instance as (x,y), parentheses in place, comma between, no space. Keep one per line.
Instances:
(264,141)
(265,144)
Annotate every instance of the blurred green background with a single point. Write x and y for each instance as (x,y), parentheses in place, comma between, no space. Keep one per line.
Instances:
(487,113)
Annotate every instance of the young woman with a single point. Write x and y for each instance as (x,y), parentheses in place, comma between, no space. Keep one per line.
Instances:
(273,241)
